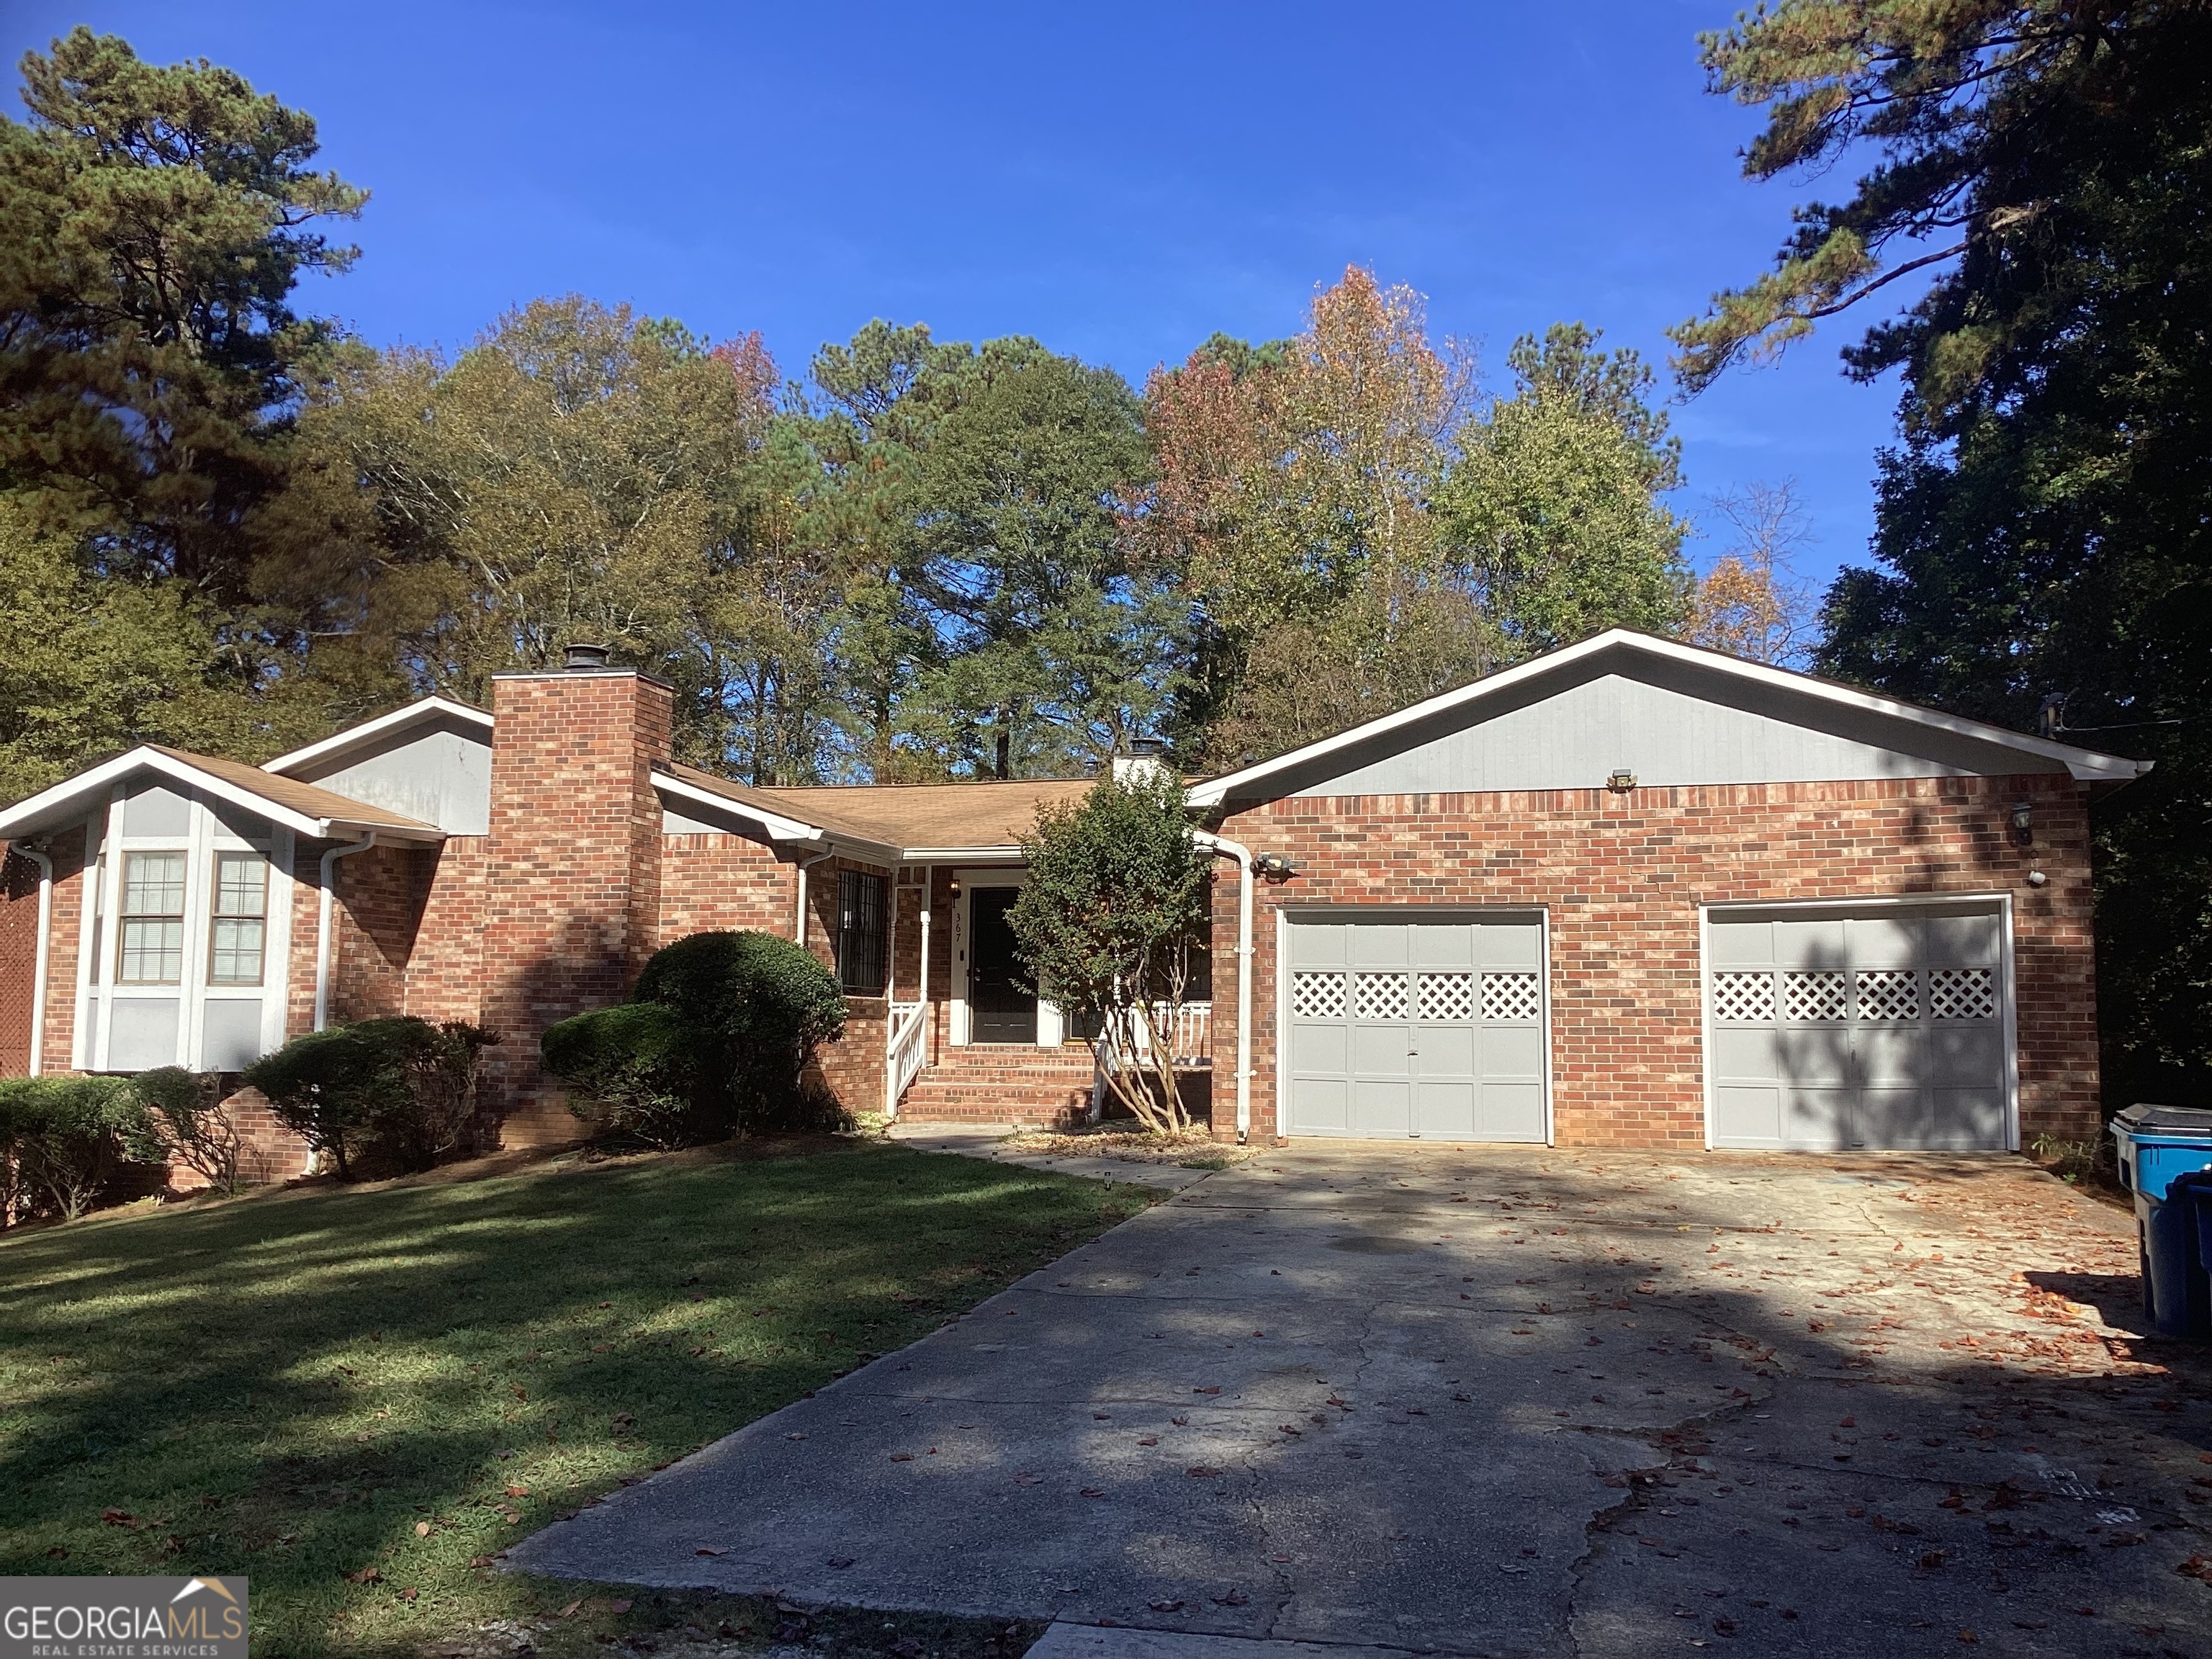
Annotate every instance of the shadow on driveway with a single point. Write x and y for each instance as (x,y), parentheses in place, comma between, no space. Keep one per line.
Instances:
(1502,1400)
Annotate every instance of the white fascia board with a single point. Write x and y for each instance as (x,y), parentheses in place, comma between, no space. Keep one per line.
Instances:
(2084,765)
(1003,854)
(775,825)
(95,784)
(354,736)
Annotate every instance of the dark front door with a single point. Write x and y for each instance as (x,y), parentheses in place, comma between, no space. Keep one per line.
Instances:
(1001,1006)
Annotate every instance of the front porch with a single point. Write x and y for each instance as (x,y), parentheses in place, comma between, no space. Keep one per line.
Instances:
(963,1040)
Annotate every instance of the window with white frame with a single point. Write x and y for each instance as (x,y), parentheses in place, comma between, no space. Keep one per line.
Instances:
(239,921)
(150,938)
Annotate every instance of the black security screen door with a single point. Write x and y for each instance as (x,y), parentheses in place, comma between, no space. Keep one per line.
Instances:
(1002,1008)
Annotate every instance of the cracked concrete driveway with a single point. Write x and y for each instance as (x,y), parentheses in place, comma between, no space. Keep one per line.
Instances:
(1512,1401)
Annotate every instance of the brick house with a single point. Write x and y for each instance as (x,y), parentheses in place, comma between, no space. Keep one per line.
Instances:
(1629,893)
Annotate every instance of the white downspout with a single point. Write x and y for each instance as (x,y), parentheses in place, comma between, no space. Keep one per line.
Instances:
(323,928)
(37,1066)
(1222,846)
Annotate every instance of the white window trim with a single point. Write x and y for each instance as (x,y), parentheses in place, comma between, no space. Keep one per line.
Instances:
(2003,901)
(99,945)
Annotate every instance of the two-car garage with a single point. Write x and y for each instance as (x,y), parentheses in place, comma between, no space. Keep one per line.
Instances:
(1825,1027)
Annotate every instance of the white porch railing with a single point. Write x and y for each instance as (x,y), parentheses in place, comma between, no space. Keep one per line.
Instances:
(905,1045)
(1189,1035)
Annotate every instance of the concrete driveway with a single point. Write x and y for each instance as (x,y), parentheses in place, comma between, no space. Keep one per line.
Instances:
(1486,1401)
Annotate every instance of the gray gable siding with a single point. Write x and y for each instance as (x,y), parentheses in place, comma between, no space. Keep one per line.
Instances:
(696,818)
(1668,723)
(439,773)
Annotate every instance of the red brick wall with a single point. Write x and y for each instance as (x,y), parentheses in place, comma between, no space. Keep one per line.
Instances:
(68,852)
(1622,878)
(445,976)
(372,933)
(709,882)
(571,890)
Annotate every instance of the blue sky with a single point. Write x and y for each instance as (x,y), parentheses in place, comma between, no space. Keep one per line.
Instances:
(1118,180)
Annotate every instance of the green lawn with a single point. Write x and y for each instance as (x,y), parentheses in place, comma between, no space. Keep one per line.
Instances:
(305,1386)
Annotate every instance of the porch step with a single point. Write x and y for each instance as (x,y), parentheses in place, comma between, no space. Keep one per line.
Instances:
(1009,1084)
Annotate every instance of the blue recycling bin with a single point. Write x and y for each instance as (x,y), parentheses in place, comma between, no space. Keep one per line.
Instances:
(2158,1145)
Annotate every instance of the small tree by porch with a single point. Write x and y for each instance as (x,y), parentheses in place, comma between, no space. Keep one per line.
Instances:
(1111,926)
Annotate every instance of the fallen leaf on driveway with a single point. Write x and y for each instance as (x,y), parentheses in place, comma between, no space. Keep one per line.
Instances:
(1236,1598)
(1202,1472)
(709,1549)
(1092,1491)
(901,1457)
(1215,1389)
(1150,1440)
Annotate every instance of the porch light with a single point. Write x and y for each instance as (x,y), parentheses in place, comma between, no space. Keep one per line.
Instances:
(2023,824)
(1621,781)
(1274,866)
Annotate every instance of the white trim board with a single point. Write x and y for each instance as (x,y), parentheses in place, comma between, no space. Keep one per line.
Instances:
(26,815)
(2083,764)
(365,734)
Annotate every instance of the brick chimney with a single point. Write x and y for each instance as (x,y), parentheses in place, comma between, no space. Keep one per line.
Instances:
(572,886)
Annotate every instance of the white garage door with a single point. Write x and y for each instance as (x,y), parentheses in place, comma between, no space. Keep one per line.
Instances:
(1431,1028)
(1830,1030)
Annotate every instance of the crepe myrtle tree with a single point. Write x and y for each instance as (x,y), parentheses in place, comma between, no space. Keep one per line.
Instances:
(1110,925)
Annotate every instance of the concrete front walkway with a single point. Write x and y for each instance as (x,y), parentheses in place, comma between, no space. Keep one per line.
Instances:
(1489,1401)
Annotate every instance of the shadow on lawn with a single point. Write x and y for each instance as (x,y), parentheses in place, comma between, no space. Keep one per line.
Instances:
(355,1396)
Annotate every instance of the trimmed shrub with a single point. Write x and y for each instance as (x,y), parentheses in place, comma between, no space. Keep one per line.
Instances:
(630,1071)
(181,1121)
(714,1040)
(756,1007)
(64,1137)
(398,1092)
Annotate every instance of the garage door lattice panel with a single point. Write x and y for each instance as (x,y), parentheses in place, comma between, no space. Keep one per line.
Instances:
(1889,995)
(1380,996)
(1511,999)
(1743,997)
(1448,997)
(1822,994)
(1317,995)
(1962,993)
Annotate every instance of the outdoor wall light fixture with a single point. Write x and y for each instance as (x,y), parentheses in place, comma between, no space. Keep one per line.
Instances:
(1621,781)
(1274,866)
(2023,824)
(2037,879)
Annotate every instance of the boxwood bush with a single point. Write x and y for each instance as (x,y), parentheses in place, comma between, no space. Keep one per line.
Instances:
(63,1140)
(380,1095)
(741,1015)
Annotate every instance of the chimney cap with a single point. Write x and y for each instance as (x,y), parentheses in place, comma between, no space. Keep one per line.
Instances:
(1144,747)
(586,656)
